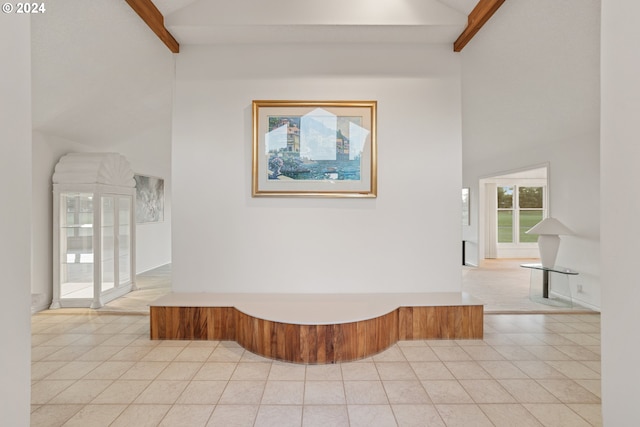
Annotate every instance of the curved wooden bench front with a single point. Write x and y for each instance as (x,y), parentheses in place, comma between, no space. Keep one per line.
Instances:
(316,344)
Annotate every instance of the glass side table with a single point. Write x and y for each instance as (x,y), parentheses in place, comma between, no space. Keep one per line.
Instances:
(555,289)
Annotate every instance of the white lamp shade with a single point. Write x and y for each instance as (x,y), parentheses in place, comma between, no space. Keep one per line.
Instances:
(549,226)
(548,241)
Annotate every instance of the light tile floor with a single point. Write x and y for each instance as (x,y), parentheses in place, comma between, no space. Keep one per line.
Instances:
(100,369)
(504,287)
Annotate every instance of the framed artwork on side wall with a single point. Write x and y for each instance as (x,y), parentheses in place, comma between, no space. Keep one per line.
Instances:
(149,199)
(314,149)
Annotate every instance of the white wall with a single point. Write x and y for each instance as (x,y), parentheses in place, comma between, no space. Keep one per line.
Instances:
(150,154)
(620,153)
(15,215)
(530,84)
(406,240)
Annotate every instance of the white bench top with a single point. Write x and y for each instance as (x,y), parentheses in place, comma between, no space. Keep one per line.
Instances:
(316,309)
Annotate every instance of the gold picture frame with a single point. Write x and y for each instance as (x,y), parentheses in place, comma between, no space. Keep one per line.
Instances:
(314,149)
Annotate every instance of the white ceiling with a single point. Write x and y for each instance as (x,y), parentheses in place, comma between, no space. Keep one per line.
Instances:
(100,75)
(169,6)
(464,6)
(305,21)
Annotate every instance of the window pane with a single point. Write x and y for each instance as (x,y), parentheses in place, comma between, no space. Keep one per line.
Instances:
(527,220)
(505,226)
(108,242)
(505,197)
(530,197)
(76,245)
(124,249)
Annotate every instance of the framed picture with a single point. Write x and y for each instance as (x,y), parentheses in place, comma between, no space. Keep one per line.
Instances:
(314,149)
(149,199)
(466,214)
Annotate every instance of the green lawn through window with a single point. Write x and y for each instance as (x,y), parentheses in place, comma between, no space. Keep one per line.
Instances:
(527,220)
(505,226)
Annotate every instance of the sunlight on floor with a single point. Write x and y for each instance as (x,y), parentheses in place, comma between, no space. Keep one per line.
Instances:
(504,287)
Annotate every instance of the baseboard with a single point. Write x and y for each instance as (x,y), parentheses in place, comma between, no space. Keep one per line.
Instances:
(39,303)
(586,305)
(38,308)
(153,268)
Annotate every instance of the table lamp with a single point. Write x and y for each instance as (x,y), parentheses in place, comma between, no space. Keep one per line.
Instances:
(548,231)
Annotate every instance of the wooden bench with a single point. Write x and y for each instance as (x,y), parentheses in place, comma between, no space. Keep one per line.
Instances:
(316,328)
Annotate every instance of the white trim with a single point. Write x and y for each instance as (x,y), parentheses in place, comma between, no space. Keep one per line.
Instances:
(515,252)
(39,302)
(585,304)
(491,220)
(499,174)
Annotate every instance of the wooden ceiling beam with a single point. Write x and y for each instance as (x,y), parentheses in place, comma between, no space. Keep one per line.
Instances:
(480,14)
(154,19)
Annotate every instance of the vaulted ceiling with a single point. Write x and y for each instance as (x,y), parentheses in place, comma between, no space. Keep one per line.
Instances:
(100,75)
(330,21)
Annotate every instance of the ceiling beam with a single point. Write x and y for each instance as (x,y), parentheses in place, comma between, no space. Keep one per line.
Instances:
(477,18)
(154,19)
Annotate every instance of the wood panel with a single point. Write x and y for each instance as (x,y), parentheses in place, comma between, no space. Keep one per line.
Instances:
(154,19)
(449,322)
(479,16)
(316,344)
(193,323)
